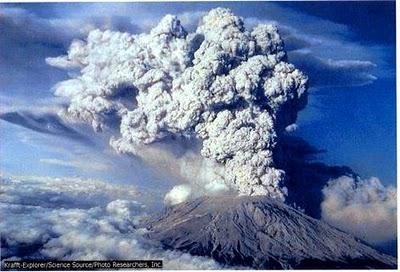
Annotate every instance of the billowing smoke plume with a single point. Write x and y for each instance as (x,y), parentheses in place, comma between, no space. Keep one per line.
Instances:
(364,208)
(223,87)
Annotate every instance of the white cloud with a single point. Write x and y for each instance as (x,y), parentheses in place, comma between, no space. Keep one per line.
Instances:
(81,164)
(329,72)
(47,123)
(291,128)
(71,218)
(364,208)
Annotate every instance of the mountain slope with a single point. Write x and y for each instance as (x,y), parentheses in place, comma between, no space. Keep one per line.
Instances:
(260,233)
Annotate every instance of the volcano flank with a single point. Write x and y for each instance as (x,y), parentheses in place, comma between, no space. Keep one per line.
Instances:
(260,233)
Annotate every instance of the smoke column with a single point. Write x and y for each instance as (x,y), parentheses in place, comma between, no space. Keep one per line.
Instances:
(225,92)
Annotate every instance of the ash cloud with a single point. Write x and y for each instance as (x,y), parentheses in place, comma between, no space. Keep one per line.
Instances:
(77,219)
(228,88)
(364,208)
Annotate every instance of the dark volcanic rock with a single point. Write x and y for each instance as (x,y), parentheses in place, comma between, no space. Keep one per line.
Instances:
(260,233)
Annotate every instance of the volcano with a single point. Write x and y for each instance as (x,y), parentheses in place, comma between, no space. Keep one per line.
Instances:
(260,233)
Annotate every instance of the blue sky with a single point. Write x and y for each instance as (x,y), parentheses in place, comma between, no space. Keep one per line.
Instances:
(346,48)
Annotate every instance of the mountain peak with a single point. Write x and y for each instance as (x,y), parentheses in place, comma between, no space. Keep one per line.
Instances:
(261,233)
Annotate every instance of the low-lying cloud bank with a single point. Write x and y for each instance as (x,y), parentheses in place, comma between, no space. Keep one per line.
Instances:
(72,218)
(364,208)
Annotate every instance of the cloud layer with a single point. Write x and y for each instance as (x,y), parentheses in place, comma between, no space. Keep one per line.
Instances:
(227,87)
(71,218)
(364,208)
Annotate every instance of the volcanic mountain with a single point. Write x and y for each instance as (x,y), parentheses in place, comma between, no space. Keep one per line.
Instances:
(261,233)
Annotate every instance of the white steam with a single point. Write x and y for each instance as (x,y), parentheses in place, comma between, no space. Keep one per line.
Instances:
(178,194)
(364,208)
(222,86)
